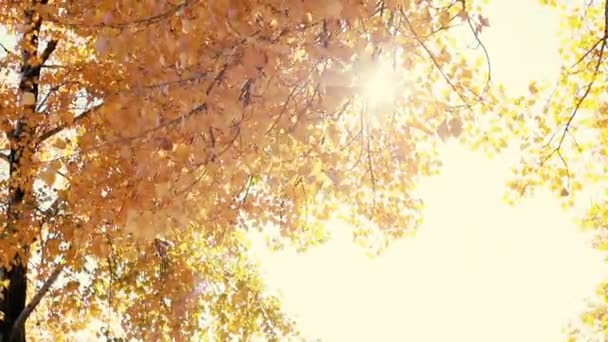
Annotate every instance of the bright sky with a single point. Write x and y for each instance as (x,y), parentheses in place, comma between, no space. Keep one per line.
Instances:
(478,270)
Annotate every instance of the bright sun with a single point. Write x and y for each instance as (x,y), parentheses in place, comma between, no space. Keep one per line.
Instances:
(381,83)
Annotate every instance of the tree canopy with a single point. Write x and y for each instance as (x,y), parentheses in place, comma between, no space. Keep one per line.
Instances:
(142,140)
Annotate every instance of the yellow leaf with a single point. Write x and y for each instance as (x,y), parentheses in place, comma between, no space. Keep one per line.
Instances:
(444,19)
(59,144)
(48,176)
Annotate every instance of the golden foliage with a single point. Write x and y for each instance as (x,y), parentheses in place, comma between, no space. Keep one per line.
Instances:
(145,136)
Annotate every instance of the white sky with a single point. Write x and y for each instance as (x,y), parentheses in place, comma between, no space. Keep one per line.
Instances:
(478,270)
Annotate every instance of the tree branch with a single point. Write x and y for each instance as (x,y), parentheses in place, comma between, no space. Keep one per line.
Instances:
(603,45)
(435,61)
(48,134)
(35,301)
(6,50)
(34,70)
(122,25)
(589,85)
(50,47)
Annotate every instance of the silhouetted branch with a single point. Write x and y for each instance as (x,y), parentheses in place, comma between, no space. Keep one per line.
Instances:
(48,134)
(35,301)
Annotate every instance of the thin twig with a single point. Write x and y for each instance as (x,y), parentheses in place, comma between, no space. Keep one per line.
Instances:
(592,81)
(434,60)
(8,52)
(126,24)
(587,53)
(60,128)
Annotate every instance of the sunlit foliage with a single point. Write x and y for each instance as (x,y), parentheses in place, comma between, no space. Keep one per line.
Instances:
(142,138)
(561,130)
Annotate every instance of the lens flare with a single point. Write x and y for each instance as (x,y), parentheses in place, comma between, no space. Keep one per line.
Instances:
(380,84)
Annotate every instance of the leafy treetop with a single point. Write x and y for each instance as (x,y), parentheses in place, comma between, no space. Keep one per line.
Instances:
(142,138)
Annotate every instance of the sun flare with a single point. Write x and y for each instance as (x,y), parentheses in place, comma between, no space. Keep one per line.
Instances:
(381,83)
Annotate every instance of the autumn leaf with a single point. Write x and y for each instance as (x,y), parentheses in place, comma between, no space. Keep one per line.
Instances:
(484,21)
(444,19)
(455,126)
(28,99)
(532,88)
(443,130)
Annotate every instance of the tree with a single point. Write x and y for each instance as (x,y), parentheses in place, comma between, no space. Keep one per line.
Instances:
(143,138)
(562,133)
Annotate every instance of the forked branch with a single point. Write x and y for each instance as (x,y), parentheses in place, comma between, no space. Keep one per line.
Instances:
(27,311)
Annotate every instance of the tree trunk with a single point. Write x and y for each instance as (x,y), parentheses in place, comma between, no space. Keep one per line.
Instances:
(22,147)
(13,303)
(13,298)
